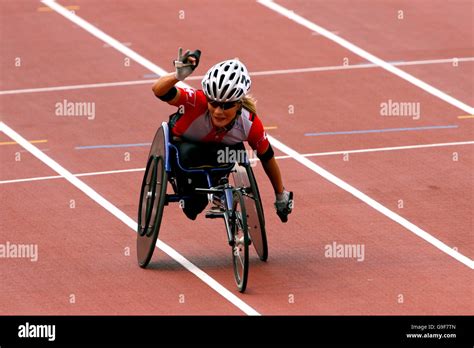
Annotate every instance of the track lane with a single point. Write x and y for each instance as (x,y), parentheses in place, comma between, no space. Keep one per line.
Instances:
(96,265)
(18,163)
(427,187)
(455,79)
(156,30)
(116,111)
(32,46)
(422,30)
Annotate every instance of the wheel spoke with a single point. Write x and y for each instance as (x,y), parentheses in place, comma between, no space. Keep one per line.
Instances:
(241,261)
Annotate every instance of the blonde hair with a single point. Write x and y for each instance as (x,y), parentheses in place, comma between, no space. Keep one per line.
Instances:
(249,103)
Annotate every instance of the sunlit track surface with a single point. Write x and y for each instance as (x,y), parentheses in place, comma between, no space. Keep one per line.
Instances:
(362,124)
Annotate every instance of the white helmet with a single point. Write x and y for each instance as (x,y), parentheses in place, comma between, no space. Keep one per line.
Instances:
(226,81)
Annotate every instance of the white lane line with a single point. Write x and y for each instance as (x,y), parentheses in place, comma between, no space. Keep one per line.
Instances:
(366,55)
(123,43)
(354,66)
(254,73)
(379,149)
(157,70)
(372,203)
(315,154)
(38,178)
(72,87)
(91,193)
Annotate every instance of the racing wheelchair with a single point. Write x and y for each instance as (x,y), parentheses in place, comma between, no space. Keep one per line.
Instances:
(241,207)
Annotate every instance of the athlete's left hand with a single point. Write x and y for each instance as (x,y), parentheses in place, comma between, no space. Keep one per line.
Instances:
(284,205)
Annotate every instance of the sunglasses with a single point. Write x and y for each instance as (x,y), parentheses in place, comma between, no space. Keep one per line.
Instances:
(223,106)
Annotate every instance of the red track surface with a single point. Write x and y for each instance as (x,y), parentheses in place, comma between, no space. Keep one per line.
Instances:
(82,251)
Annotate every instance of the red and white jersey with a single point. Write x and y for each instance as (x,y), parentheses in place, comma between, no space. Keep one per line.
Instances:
(195,124)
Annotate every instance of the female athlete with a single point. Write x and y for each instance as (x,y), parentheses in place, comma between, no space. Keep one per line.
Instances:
(221,114)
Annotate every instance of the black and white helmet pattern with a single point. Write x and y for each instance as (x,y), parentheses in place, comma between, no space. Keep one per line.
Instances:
(226,81)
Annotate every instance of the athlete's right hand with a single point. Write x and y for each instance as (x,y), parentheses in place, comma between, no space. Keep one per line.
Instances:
(185,64)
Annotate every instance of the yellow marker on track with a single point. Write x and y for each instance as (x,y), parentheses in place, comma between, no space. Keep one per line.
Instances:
(466,116)
(15,143)
(48,9)
(270,127)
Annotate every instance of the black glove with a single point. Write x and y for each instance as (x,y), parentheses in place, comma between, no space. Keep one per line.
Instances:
(184,66)
(284,205)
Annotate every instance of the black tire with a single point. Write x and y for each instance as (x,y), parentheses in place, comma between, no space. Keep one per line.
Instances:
(244,177)
(240,247)
(152,201)
(147,196)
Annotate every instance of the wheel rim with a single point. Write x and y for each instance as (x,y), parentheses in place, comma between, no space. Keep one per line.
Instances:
(154,201)
(240,252)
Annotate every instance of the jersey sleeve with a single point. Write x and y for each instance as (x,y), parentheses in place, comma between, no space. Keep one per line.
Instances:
(257,137)
(190,98)
(191,104)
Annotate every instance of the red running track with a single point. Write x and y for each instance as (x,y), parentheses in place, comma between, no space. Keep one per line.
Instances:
(86,252)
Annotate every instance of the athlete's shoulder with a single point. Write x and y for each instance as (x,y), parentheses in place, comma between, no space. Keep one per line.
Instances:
(248,115)
(192,97)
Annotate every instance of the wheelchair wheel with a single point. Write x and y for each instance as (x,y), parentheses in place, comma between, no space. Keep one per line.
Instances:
(240,247)
(152,201)
(244,177)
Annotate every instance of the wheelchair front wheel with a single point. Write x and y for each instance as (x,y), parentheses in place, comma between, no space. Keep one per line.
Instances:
(257,218)
(240,241)
(152,197)
(243,177)
(151,205)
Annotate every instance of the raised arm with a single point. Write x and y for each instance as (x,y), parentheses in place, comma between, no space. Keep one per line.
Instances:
(185,64)
(164,88)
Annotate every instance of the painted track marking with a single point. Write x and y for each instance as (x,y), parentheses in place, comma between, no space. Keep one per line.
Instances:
(366,55)
(110,146)
(315,154)
(252,73)
(383,130)
(31,141)
(40,178)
